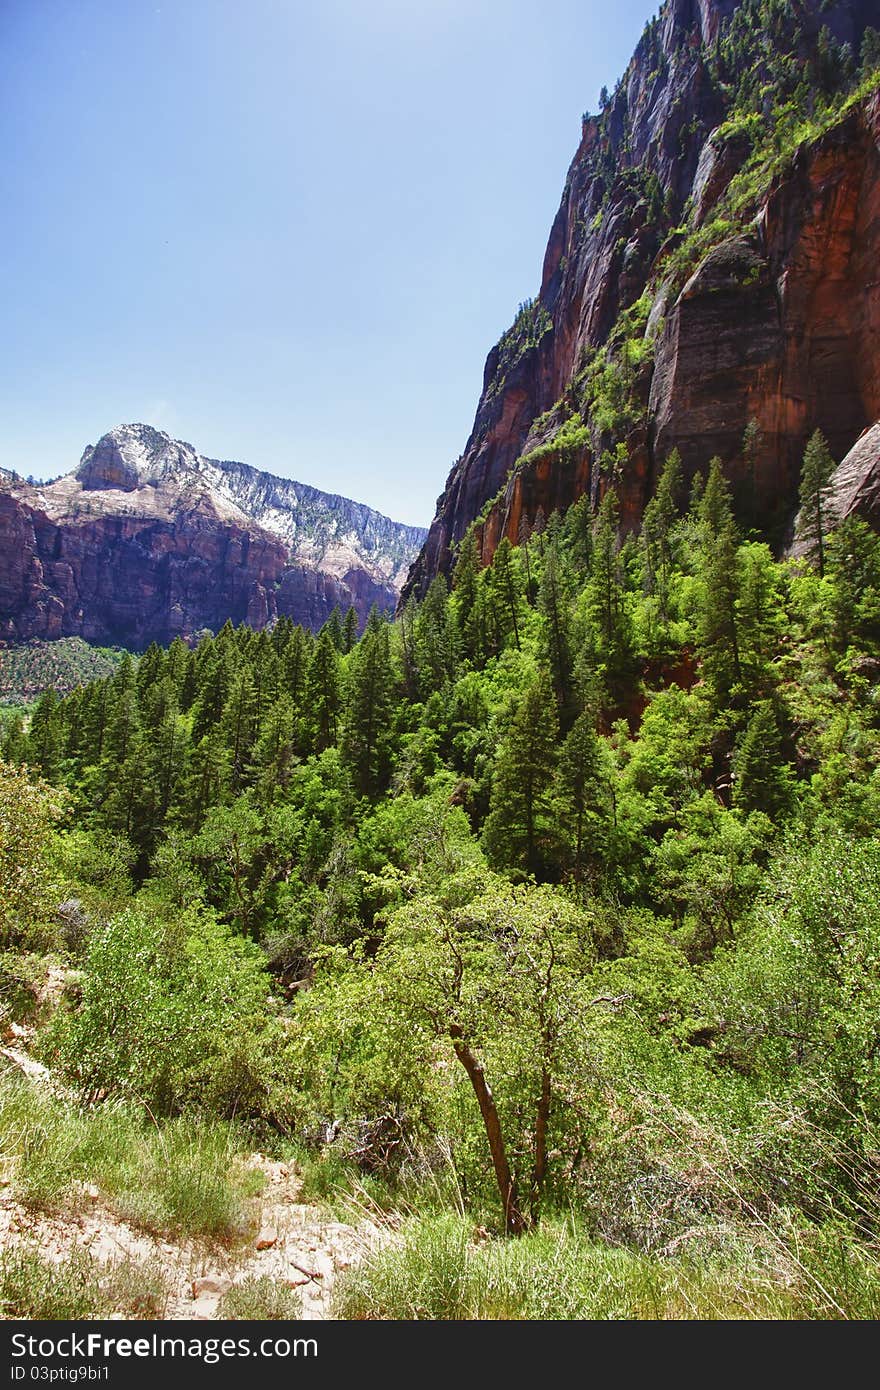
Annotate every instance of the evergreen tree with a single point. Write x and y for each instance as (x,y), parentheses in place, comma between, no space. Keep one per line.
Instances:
(349,629)
(553,602)
(46,736)
(870,50)
(131,803)
(506,587)
(274,752)
(213,680)
(123,720)
(205,781)
(238,725)
(435,639)
(520,831)
(333,629)
(762,776)
(580,782)
(577,534)
(714,510)
(295,664)
(658,523)
(815,517)
(323,692)
(753,442)
(14,743)
(718,629)
(606,599)
(406,628)
(370,683)
(524,532)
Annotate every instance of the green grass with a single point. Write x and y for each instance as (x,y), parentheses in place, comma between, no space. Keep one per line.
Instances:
(32,1286)
(439,1271)
(185,1179)
(262,1300)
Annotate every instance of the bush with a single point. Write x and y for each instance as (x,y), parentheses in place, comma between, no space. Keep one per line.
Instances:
(163,1003)
(27,811)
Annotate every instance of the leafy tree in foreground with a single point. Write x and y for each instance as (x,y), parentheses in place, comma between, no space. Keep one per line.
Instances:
(498,982)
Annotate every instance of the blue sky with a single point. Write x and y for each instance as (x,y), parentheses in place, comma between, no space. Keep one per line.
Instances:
(287,231)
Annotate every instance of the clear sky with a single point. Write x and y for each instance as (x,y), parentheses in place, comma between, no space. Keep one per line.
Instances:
(287,231)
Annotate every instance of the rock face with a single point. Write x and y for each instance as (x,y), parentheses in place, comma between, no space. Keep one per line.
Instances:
(855,484)
(147,540)
(777,324)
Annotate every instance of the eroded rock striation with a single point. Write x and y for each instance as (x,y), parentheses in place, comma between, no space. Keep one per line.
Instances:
(680,304)
(147,540)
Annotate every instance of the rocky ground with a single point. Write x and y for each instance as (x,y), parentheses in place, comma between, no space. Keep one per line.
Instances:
(297,1246)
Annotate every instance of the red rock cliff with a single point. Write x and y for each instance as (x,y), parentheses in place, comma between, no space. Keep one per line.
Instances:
(776,324)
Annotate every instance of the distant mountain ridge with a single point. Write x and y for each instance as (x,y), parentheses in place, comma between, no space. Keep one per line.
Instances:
(147,539)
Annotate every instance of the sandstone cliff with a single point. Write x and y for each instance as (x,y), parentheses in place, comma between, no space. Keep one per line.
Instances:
(147,540)
(712,267)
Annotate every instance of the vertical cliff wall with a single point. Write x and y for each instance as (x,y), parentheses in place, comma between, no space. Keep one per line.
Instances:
(712,263)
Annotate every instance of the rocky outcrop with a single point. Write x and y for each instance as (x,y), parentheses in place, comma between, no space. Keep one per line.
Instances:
(855,484)
(777,323)
(147,540)
(780,327)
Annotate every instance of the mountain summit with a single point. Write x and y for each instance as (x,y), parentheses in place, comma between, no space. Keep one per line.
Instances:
(147,539)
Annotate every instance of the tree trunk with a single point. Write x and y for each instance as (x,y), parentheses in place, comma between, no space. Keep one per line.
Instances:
(539,1172)
(515,1220)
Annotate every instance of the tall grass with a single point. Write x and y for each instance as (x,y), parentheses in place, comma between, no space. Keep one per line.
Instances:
(439,1271)
(260,1299)
(183,1179)
(78,1287)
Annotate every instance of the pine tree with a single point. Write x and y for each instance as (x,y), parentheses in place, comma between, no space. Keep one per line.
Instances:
(816,514)
(520,831)
(466,598)
(435,639)
(205,781)
(762,778)
(349,629)
(323,692)
(553,602)
(753,442)
(658,522)
(333,628)
(370,688)
(718,630)
(295,664)
(523,536)
(606,598)
(14,746)
(213,681)
(714,510)
(577,533)
(274,752)
(238,725)
(506,585)
(580,780)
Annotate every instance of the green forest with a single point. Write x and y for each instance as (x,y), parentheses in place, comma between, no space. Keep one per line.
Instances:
(544,917)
